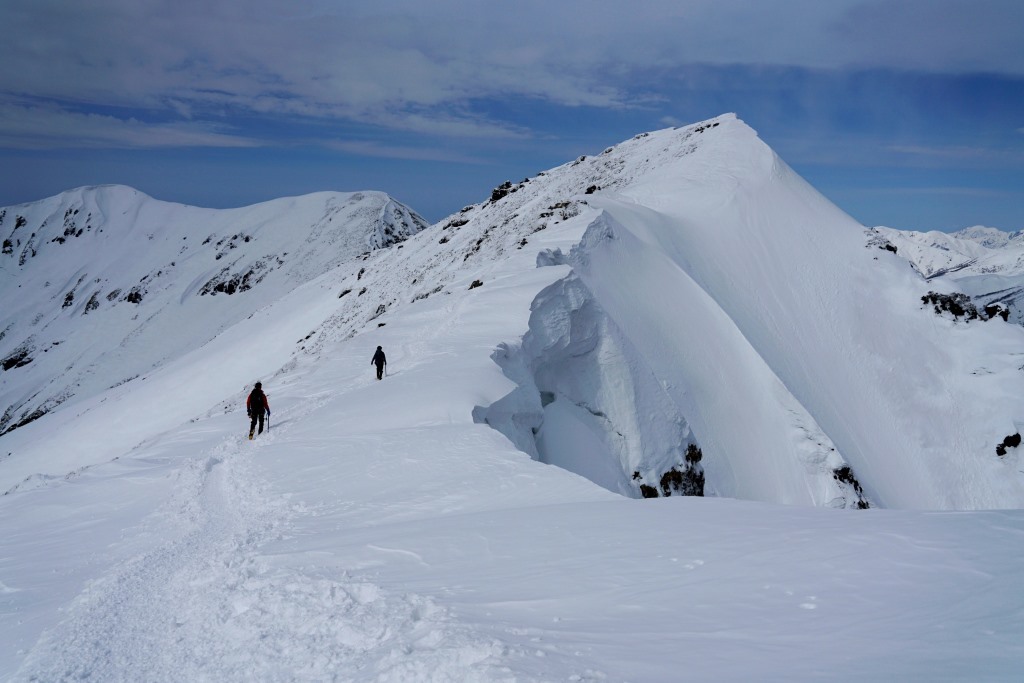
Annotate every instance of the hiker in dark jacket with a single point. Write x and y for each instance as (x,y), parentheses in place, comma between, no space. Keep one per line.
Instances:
(255,406)
(380,360)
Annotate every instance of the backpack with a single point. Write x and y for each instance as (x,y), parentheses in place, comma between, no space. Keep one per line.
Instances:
(257,401)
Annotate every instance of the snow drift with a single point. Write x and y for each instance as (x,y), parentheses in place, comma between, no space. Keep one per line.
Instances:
(680,314)
(796,353)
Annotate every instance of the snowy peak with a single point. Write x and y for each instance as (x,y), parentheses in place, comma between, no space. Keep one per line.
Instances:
(729,300)
(972,251)
(678,314)
(991,238)
(985,265)
(120,220)
(117,271)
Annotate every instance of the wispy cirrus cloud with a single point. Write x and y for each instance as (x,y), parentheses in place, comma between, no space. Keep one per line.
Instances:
(948,191)
(853,92)
(28,126)
(959,153)
(404,65)
(410,153)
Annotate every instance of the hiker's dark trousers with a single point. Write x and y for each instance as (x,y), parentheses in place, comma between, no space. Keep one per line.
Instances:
(380,371)
(257,418)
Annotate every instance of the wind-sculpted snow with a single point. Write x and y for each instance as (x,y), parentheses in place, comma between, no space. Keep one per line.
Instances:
(798,356)
(704,367)
(355,543)
(717,290)
(585,400)
(679,302)
(728,260)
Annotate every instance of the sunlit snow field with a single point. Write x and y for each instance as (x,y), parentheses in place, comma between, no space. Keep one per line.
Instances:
(383,531)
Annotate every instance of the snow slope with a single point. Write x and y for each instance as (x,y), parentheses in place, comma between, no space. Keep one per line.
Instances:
(102,284)
(789,347)
(803,340)
(714,301)
(681,289)
(355,543)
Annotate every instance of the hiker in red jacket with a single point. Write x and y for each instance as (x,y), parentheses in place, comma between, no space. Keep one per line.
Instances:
(255,406)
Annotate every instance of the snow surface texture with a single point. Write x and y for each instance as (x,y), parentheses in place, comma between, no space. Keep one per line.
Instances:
(985,263)
(102,284)
(683,289)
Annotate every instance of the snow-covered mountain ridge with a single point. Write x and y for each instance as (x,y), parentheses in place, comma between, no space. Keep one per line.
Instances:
(703,280)
(681,293)
(974,251)
(102,284)
(986,264)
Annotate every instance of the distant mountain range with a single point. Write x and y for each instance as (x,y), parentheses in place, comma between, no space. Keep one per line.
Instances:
(102,284)
(984,263)
(718,327)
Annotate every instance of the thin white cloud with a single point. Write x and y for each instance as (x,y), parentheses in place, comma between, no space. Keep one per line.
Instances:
(407,64)
(960,155)
(35,127)
(941,191)
(946,152)
(449,126)
(372,149)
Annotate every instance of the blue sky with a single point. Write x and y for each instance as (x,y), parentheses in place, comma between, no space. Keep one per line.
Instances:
(907,113)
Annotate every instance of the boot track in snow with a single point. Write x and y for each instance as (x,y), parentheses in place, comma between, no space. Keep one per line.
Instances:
(206,605)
